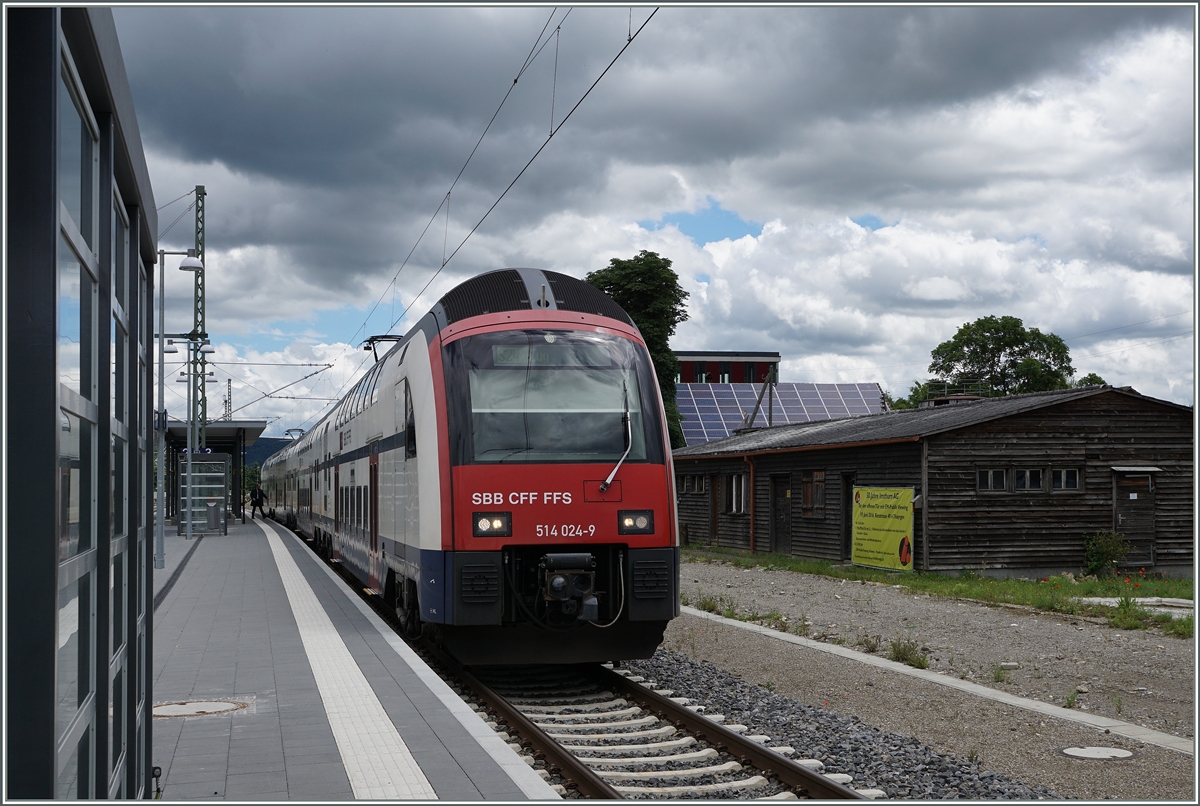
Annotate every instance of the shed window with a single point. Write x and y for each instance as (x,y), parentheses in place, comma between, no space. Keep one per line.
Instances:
(1028,479)
(812,494)
(692,484)
(735,498)
(1064,478)
(993,479)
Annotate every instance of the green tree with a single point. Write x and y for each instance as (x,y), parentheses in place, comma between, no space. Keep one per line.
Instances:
(648,290)
(916,393)
(1091,379)
(1002,353)
(252,475)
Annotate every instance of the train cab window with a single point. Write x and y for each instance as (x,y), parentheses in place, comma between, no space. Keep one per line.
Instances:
(551,396)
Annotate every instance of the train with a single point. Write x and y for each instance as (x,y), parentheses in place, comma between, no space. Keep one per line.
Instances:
(501,477)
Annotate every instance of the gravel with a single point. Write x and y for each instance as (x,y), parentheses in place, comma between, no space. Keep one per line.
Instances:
(876,758)
(979,747)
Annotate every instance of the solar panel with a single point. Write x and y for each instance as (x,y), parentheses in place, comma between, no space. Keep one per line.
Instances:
(715,410)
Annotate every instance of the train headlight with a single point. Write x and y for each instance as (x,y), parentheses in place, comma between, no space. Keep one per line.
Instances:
(635,522)
(491,524)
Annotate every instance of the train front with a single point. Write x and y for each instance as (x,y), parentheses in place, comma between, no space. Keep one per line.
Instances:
(563,513)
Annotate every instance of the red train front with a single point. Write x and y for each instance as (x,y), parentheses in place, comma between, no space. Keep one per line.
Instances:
(502,477)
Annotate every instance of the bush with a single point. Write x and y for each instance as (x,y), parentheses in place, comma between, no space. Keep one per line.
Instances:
(1103,552)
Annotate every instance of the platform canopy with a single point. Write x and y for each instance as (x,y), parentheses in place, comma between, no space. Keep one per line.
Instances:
(219,431)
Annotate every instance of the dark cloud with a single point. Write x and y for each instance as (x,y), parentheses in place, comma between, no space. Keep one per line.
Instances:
(1015,165)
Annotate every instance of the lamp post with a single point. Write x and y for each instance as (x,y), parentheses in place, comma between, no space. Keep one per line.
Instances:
(189,263)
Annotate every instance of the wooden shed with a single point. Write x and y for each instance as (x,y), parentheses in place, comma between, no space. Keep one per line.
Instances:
(1010,485)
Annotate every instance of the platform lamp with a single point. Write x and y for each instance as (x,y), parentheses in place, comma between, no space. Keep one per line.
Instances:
(189,263)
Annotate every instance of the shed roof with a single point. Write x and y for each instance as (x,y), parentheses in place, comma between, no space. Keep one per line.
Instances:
(903,425)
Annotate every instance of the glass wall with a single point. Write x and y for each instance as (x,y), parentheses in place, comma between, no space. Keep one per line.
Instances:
(78,569)
(78,303)
(102,711)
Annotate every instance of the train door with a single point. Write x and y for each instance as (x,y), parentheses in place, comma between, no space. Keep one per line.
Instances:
(373,521)
(337,511)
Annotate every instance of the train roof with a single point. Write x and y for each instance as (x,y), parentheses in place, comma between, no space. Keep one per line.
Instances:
(525,290)
(492,292)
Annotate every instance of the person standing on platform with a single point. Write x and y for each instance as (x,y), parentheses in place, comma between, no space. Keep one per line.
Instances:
(257,499)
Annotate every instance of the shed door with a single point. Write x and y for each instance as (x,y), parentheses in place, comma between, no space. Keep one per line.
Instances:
(781,515)
(1133,516)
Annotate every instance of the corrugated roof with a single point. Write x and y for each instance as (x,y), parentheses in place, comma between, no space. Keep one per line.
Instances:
(894,426)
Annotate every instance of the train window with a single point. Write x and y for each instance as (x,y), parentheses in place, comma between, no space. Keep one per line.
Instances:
(551,396)
(375,384)
(410,424)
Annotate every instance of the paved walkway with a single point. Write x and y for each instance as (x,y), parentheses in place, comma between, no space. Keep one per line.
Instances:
(1126,729)
(333,706)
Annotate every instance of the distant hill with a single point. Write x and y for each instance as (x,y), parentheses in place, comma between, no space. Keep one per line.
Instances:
(264,448)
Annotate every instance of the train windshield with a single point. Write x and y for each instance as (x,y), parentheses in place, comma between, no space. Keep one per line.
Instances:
(551,396)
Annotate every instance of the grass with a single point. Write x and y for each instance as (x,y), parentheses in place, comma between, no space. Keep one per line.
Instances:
(1050,594)
(1070,701)
(999,675)
(906,650)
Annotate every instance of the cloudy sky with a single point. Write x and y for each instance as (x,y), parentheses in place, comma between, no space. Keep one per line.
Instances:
(846,186)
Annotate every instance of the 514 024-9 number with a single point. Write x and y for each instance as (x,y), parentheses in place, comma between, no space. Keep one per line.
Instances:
(565,530)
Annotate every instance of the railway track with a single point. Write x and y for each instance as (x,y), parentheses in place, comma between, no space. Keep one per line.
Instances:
(611,735)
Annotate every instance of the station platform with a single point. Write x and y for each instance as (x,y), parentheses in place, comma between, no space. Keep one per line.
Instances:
(273,681)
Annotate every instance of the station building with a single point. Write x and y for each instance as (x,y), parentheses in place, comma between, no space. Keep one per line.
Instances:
(1007,485)
(81,244)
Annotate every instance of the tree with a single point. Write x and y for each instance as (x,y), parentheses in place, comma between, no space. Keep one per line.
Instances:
(648,290)
(916,393)
(1002,353)
(1091,379)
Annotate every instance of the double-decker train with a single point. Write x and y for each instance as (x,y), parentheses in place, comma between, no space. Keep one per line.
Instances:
(502,477)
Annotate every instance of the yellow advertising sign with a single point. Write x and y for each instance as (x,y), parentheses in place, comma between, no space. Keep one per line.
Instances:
(882,535)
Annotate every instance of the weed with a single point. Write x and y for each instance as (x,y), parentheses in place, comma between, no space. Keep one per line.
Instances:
(973,755)
(1103,552)
(730,611)
(707,603)
(869,643)
(775,620)
(800,626)
(906,650)
(1180,627)
(837,639)
(684,599)
(1070,703)
(1116,701)
(1000,675)
(769,685)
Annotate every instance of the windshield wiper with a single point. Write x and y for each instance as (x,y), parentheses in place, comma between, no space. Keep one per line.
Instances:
(628,439)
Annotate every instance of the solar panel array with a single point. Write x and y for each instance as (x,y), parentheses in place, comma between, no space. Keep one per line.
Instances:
(715,410)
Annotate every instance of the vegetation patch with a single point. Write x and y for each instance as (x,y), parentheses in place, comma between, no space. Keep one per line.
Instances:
(1057,594)
(906,650)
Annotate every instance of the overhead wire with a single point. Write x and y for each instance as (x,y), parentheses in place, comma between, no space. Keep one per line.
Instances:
(534,52)
(172,201)
(530,57)
(522,171)
(177,220)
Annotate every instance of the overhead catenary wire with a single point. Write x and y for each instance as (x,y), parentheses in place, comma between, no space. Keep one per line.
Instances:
(524,169)
(538,46)
(534,52)
(187,209)
(172,201)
